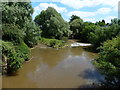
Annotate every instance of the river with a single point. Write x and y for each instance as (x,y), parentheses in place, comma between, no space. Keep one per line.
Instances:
(55,68)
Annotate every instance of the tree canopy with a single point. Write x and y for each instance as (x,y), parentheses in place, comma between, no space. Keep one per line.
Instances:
(52,24)
(76,25)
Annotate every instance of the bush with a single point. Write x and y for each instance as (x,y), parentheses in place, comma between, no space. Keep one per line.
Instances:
(15,55)
(14,62)
(12,33)
(109,62)
(23,51)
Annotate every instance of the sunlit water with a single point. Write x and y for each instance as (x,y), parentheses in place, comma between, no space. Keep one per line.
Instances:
(55,68)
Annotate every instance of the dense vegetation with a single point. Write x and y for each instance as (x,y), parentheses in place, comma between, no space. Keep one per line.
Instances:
(20,33)
(52,24)
(109,62)
(52,42)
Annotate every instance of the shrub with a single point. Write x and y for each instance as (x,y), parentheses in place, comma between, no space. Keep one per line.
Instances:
(12,33)
(109,62)
(15,55)
(23,51)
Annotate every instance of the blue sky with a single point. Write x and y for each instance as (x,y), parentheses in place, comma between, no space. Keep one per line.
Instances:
(88,10)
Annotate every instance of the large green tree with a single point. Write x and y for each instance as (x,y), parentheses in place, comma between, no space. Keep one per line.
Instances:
(16,13)
(52,24)
(76,25)
(20,14)
(101,34)
(88,27)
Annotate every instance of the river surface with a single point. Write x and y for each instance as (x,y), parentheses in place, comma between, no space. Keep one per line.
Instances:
(55,68)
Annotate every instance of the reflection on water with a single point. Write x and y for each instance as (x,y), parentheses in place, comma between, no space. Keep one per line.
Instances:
(55,68)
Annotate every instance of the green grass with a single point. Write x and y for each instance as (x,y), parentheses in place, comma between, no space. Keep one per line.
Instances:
(52,42)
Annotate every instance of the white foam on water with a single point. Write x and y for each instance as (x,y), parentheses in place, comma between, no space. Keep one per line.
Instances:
(80,44)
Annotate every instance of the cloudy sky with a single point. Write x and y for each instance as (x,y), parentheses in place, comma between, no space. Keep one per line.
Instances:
(88,10)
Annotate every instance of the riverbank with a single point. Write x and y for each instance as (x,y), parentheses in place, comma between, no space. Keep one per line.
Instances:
(54,43)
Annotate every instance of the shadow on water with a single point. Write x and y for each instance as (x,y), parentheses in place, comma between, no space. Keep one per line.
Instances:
(94,76)
(91,74)
(12,74)
(90,49)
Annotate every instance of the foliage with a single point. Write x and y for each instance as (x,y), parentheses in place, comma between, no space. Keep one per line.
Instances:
(101,34)
(109,62)
(32,34)
(52,24)
(73,17)
(76,27)
(17,13)
(13,60)
(100,23)
(87,28)
(115,21)
(12,33)
(23,50)
(52,42)
(15,55)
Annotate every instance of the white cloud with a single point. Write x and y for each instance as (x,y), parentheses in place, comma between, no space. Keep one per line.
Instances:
(108,18)
(103,10)
(77,4)
(90,19)
(90,16)
(84,14)
(43,6)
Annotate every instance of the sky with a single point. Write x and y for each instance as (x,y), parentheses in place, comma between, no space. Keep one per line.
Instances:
(88,10)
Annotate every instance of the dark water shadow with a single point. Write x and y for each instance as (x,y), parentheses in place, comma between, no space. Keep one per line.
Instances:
(12,74)
(91,49)
(92,74)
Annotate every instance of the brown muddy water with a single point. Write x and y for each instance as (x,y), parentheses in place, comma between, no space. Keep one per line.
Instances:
(55,68)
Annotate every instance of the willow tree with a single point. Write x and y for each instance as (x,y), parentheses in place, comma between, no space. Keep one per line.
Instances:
(16,13)
(20,14)
(52,24)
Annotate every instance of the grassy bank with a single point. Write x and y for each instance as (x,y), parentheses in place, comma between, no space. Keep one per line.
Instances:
(54,43)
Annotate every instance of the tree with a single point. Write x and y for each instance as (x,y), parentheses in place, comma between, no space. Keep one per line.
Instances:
(101,34)
(101,23)
(109,62)
(115,21)
(20,14)
(52,24)
(17,13)
(73,17)
(76,27)
(87,28)
(32,34)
